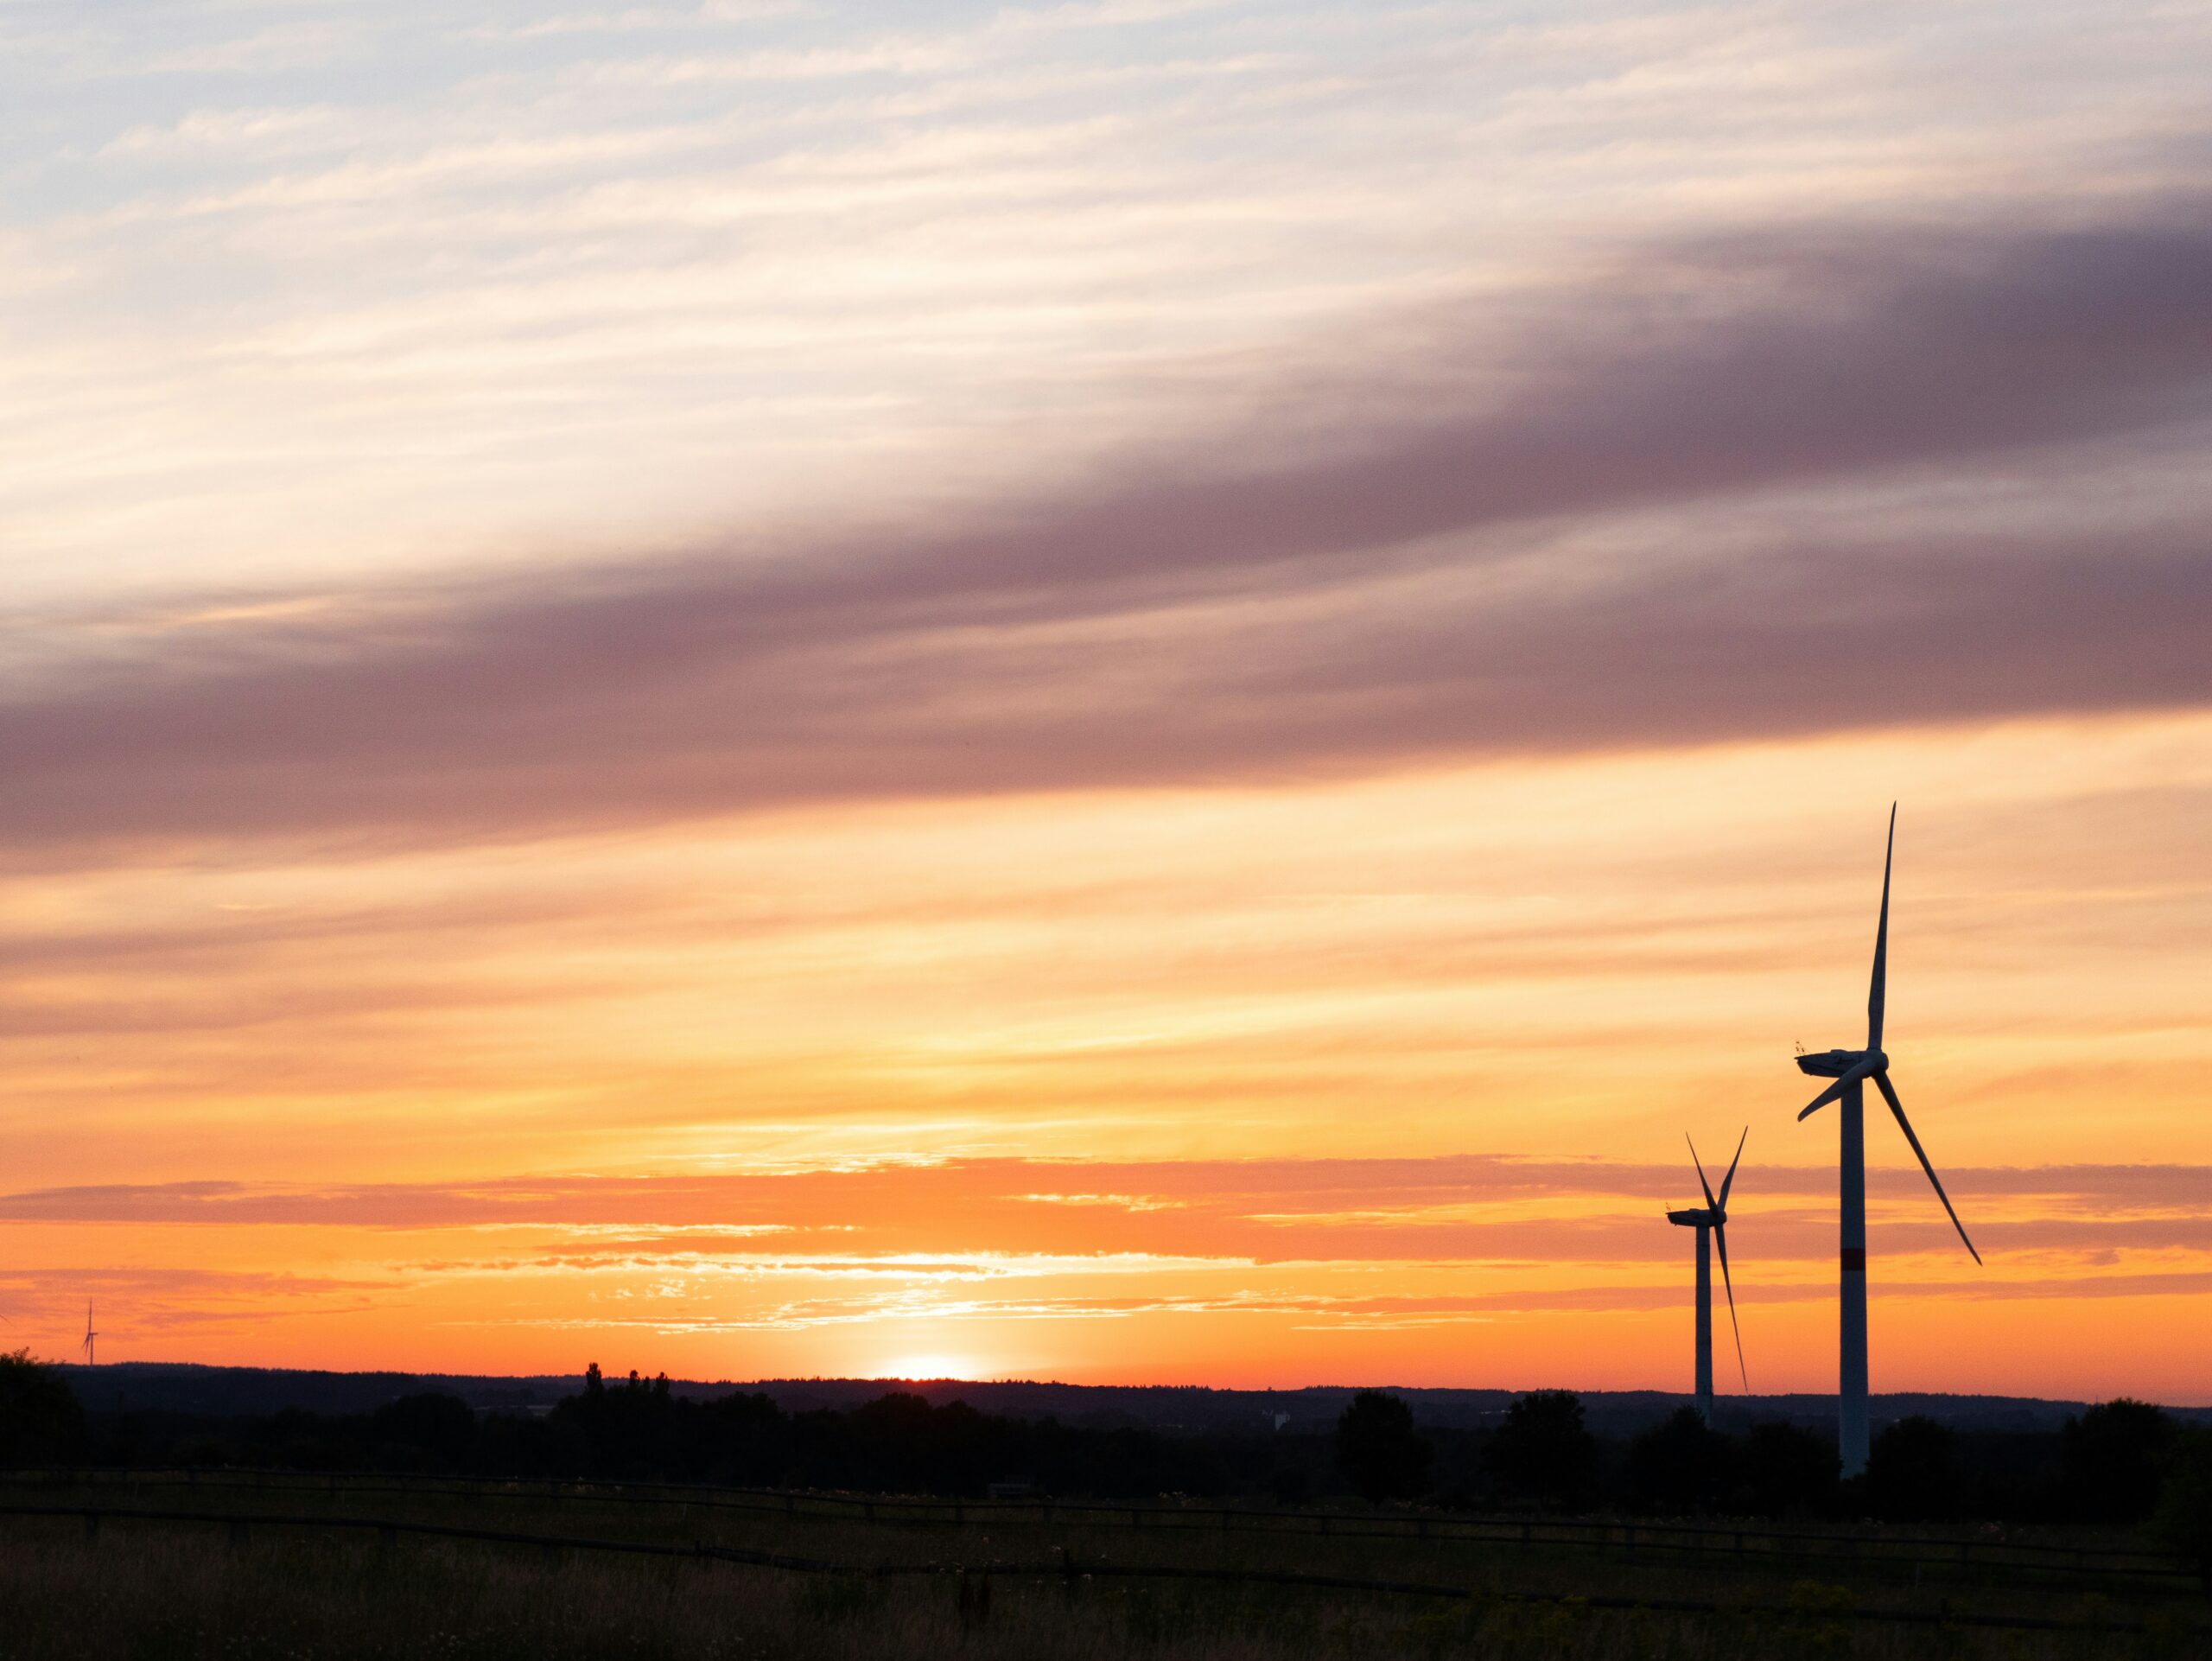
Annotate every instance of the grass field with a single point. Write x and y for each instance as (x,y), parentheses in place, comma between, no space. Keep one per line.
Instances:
(158,1589)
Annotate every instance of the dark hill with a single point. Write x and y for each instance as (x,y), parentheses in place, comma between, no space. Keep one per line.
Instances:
(179,1387)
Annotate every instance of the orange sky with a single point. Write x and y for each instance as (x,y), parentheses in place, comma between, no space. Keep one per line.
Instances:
(1119,693)
(1380,1079)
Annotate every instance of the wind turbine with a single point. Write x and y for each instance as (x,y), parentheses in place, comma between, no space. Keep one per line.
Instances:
(89,1333)
(1851,1069)
(1712,1226)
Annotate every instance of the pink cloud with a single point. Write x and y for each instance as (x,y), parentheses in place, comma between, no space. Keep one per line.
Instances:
(1177,617)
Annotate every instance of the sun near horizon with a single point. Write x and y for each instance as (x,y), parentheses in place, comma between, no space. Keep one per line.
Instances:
(934,1368)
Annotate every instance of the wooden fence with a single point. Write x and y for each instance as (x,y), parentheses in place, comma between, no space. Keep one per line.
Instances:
(1067,1567)
(1920,1555)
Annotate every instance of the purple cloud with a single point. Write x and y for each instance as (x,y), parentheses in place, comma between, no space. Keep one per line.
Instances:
(1183,617)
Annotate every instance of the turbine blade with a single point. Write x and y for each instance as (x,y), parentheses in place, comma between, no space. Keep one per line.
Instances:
(1710,1203)
(1720,1239)
(1905,1125)
(1821,1100)
(1876,989)
(1728,1181)
(1858,1070)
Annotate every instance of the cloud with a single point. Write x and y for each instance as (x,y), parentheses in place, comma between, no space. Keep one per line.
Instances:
(1144,1190)
(1450,1210)
(1321,1311)
(1401,580)
(1530,1300)
(171,1298)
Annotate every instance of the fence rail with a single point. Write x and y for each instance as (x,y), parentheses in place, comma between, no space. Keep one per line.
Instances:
(1067,1567)
(1947,1554)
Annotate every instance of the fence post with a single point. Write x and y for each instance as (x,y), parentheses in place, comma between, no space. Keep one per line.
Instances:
(972,1599)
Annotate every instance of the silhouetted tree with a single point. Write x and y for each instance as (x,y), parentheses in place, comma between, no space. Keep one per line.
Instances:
(2111,1459)
(1682,1465)
(632,1430)
(1543,1453)
(41,1423)
(430,1431)
(2184,1516)
(1788,1470)
(1910,1473)
(1380,1452)
(742,1438)
(908,1443)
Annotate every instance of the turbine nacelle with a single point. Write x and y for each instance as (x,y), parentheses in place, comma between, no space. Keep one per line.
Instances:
(1697,1218)
(1835,1064)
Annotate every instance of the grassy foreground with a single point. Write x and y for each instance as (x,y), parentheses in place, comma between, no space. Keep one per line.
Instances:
(150,1590)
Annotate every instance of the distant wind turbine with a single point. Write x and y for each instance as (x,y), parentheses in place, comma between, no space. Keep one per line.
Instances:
(1851,1069)
(1712,1226)
(89,1334)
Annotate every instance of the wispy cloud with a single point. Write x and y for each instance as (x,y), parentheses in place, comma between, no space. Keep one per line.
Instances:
(1460,1207)
(1398,589)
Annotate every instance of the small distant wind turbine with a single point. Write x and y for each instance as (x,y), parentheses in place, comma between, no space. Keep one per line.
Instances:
(1851,1069)
(1712,1226)
(89,1333)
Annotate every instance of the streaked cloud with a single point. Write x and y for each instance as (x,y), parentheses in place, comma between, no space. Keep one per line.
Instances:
(1408,588)
(1285,1207)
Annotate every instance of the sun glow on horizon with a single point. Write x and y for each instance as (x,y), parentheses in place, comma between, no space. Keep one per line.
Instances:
(934,1368)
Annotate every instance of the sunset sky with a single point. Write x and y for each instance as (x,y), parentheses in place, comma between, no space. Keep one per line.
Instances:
(1129,692)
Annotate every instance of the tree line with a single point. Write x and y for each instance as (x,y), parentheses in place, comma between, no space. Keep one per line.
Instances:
(2119,1462)
(2113,1463)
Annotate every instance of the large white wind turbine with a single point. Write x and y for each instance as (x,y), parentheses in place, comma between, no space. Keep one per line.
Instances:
(1712,1226)
(1851,1069)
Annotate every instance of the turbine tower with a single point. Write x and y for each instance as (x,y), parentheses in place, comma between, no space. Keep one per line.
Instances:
(89,1333)
(1712,1226)
(1851,1069)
